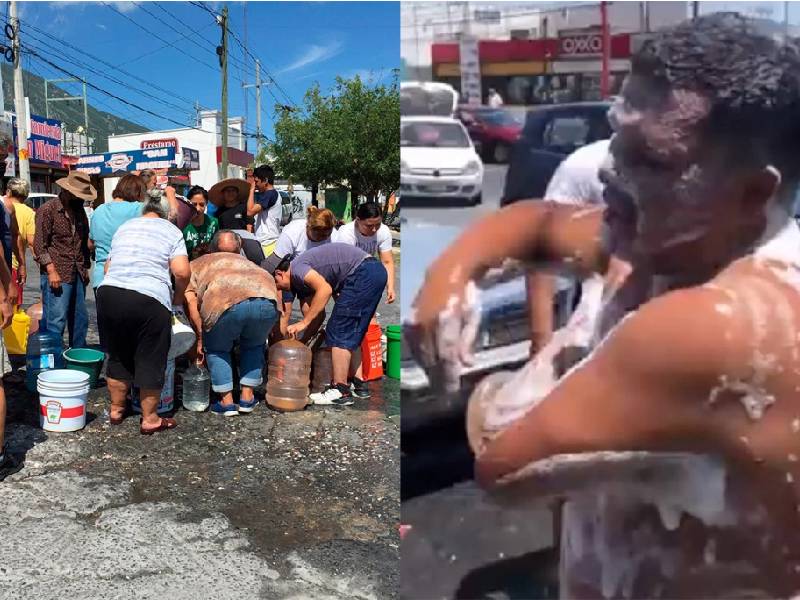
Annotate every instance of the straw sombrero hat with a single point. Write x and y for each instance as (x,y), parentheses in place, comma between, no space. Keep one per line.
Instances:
(79,184)
(215,193)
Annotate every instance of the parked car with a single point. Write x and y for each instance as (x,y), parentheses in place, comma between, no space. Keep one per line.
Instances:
(438,161)
(37,199)
(493,130)
(551,133)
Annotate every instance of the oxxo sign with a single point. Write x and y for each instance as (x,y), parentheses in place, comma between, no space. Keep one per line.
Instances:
(580,45)
(166,143)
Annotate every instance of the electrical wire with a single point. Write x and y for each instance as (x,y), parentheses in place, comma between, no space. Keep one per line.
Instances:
(114,68)
(60,53)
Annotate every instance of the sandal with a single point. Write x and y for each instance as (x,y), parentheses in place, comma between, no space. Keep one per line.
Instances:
(166,423)
(117,421)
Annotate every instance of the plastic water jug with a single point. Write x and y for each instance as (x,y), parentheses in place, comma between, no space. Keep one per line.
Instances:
(196,389)
(44,352)
(289,370)
(16,335)
(322,374)
(35,313)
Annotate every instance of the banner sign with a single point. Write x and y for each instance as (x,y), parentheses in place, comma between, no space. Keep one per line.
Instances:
(44,140)
(191,159)
(132,160)
(165,143)
(470,70)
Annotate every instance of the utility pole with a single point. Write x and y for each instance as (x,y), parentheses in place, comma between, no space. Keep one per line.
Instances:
(223,63)
(695,10)
(257,85)
(19,100)
(785,22)
(606,50)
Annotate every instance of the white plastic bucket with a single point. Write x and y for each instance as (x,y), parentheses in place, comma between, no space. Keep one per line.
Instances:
(62,399)
(182,340)
(166,402)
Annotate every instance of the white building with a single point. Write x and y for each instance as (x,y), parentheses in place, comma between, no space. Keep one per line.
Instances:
(206,139)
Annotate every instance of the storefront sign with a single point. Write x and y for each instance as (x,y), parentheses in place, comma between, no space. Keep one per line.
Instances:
(133,160)
(44,140)
(191,159)
(470,70)
(165,143)
(580,45)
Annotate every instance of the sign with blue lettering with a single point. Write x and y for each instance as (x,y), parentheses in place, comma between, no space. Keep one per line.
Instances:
(112,163)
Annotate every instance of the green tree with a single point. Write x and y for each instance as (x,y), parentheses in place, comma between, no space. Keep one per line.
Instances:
(349,138)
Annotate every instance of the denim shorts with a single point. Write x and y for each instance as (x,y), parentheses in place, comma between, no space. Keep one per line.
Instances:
(357,302)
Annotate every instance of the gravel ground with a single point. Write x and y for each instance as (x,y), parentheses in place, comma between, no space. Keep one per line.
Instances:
(268,505)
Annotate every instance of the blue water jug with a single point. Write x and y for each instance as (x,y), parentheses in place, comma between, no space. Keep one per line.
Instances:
(45,351)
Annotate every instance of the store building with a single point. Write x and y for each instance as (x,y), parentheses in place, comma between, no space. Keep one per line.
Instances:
(205,141)
(541,71)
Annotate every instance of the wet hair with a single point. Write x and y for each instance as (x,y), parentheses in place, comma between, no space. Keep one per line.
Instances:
(284,264)
(265,173)
(368,210)
(320,218)
(222,234)
(197,189)
(130,188)
(18,188)
(751,81)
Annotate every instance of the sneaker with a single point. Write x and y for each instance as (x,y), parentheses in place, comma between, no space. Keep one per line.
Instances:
(226,410)
(247,407)
(333,395)
(360,388)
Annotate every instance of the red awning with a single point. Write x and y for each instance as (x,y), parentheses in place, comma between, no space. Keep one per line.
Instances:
(237,157)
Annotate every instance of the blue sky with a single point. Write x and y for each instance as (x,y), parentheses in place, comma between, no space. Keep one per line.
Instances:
(298,43)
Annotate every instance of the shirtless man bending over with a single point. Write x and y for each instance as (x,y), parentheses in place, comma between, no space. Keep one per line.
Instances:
(707,140)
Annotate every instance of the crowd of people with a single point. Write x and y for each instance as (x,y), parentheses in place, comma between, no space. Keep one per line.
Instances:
(152,256)
(675,440)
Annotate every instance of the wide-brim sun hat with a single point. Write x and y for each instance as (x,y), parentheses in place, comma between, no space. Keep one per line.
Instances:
(78,184)
(216,196)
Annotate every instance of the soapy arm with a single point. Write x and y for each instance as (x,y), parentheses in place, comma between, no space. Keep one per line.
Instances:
(631,394)
(322,293)
(533,231)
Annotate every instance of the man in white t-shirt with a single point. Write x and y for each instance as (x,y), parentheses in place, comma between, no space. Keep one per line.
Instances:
(265,205)
(576,181)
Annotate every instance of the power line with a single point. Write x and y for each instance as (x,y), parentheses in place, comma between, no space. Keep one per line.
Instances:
(114,68)
(146,93)
(150,33)
(118,98)
(160,48)
(267,74)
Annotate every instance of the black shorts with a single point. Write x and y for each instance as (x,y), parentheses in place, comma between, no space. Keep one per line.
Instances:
(137,332)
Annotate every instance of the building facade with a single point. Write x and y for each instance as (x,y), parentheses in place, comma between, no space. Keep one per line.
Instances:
(206,139)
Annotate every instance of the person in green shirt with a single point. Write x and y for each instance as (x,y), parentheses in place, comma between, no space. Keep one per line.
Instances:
(201,228)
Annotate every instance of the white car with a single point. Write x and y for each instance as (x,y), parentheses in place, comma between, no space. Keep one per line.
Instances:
(438,160)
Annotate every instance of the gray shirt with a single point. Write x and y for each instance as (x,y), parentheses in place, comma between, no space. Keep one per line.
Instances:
(335,262)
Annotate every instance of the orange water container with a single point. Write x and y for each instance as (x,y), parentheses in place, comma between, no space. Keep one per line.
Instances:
(372,353)
(289,371)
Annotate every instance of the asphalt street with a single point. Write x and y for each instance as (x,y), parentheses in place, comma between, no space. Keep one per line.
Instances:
(460,544)
(267,505)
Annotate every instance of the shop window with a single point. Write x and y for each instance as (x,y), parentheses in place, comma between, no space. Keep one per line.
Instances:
(566,133)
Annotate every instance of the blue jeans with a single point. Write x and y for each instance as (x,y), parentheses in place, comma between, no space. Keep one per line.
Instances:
(248,322)
(357,302)
(66,308)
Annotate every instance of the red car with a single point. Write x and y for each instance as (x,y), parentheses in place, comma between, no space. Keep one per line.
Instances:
(493,130)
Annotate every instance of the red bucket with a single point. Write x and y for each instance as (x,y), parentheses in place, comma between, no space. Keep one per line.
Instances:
(372,354)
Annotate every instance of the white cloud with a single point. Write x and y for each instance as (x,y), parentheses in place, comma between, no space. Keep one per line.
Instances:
(314,54)
(125,7)
(101,26)
(309,76)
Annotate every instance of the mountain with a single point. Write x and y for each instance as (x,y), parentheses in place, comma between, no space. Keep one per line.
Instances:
(101,123)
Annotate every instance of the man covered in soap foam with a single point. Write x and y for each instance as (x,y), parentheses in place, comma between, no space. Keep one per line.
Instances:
(676,441)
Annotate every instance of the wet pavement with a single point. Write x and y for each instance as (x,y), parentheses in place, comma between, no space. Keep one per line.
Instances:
(266,505)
